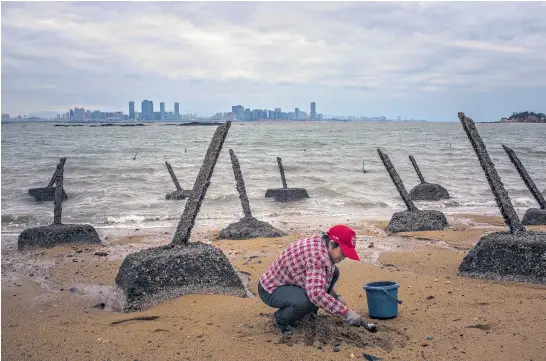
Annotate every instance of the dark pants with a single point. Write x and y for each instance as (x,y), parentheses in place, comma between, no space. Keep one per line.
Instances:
(292,301)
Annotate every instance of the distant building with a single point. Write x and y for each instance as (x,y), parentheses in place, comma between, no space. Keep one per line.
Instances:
(143,109)
(79,114)
(5,117)
(313,111)
(132,110)
(114,116)
(278,112)
(320,116)
(239,111)
(162,111)
(176,110)
(71,115)
(147,110)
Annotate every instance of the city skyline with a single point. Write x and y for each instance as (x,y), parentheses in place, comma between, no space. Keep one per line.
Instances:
(147,113)
(362,58)
(237,113)
(133,114)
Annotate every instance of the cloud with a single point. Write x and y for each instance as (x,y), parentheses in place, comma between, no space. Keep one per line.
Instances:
(349,57)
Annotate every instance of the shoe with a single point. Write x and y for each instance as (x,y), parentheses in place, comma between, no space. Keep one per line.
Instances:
(285,329)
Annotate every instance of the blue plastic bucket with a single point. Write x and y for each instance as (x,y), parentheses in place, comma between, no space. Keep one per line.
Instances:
(382,299)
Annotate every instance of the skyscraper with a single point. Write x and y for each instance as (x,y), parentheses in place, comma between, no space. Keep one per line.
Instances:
(162,110)
(79,114)
(147,110)
(176,111)
(297,113)
(239,111)
(277,113)
(131,110)
(144,110)
(313,111)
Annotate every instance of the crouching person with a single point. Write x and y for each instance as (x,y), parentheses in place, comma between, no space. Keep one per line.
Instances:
(303,277)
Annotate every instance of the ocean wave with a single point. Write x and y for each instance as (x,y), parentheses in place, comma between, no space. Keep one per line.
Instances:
(328,192)
(451,203)
(17,218)
(309,178)
(221,198)
(524,202)
(137,219)
(365,205)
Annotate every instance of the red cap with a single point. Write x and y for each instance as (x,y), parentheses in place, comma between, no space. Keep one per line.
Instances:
(346,238)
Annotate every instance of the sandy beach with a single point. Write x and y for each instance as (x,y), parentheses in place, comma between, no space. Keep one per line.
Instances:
(56,304)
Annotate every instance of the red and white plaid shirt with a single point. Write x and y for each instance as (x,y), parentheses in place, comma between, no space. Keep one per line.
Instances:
(306,264)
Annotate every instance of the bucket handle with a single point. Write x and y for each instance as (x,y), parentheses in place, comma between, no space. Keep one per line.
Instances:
(392,297)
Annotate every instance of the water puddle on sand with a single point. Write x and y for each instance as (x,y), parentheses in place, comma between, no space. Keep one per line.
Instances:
(36,264)
(245,279)
(370,247)
(105,297)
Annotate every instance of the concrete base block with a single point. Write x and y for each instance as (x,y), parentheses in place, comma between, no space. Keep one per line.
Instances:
(54,235)
(286,194)
(534,217)
(250,227)
(428,192)
(45,194)
(157,274)
(415,221)
(178,195)
(506,256)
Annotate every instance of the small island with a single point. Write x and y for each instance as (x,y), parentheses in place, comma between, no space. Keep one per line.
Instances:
(525,117)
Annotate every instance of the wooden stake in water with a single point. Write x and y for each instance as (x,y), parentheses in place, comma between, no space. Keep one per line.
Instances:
(240,183)
(281,169)
(497,188)
(54,177)
(202,182)
(173,176)
(58,200)
(364,168)
(526,177)
(416,167)
(397,181)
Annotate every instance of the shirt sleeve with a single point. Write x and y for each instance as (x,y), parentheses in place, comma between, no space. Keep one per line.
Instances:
(314,287)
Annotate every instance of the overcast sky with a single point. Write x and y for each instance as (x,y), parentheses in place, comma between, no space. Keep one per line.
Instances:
(422,60)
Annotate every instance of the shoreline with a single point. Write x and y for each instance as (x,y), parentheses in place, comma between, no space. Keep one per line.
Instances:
(274,218)
(58,307)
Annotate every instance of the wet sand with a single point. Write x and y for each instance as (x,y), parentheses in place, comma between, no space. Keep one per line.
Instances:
(52,305)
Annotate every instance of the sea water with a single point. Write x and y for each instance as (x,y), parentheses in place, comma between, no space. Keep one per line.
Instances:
(109,189)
